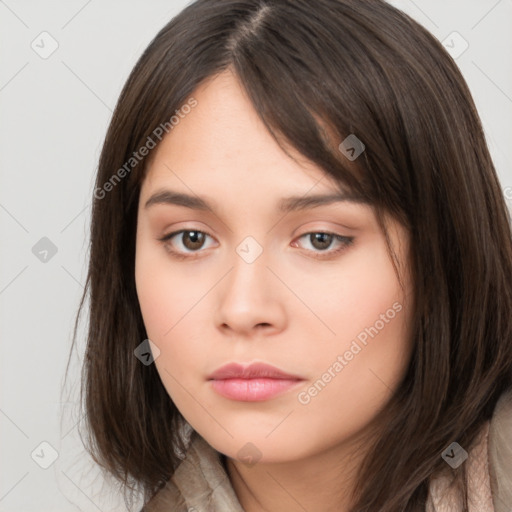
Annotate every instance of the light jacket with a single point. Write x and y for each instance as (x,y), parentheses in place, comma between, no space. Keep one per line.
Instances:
(201,483)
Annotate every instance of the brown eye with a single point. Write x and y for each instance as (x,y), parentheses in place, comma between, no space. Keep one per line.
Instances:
(325,244)
(321,240)
(193,240)
(186,241)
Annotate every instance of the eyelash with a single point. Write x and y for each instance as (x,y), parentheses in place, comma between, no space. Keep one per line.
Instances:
(345,241)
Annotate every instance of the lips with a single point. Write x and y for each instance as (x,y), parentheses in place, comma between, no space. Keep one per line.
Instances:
(256,382)
(255,370)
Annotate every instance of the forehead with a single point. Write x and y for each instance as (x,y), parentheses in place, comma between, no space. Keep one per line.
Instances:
(222,140)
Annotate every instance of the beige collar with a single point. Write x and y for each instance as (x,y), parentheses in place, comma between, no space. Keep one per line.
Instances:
(489,468)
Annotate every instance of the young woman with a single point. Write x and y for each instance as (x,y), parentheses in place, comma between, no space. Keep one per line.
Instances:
(301,268)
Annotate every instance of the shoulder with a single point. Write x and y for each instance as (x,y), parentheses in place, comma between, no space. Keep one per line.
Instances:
(167,499)
(488,468)
(500,452)
(200,483)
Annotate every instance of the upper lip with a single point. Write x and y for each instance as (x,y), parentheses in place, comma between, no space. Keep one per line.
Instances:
(251,371)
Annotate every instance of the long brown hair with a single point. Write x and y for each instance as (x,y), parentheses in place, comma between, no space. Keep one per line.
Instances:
(357,67)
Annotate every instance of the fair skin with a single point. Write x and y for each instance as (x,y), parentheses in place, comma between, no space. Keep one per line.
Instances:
(297,306)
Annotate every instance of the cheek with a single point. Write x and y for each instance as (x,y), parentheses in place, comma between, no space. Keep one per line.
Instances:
(155,296)
(351,296)
(164,295)
(370,348)
(171,303)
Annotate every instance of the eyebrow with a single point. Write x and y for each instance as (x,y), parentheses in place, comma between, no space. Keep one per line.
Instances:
(285,205)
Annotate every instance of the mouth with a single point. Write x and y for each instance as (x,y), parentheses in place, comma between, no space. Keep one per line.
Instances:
(254,383)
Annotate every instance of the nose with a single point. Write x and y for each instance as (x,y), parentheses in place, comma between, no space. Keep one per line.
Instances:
(249,300)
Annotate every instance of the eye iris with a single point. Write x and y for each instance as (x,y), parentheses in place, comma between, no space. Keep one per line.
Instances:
(197,239)
(325,240)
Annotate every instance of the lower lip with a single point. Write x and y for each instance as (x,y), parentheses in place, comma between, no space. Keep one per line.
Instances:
(252,390)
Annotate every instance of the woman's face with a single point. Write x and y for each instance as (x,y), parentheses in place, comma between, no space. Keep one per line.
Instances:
(249,282)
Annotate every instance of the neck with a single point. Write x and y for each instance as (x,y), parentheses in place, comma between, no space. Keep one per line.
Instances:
(323,481)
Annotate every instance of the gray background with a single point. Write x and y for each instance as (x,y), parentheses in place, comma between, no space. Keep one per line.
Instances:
(54,113)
